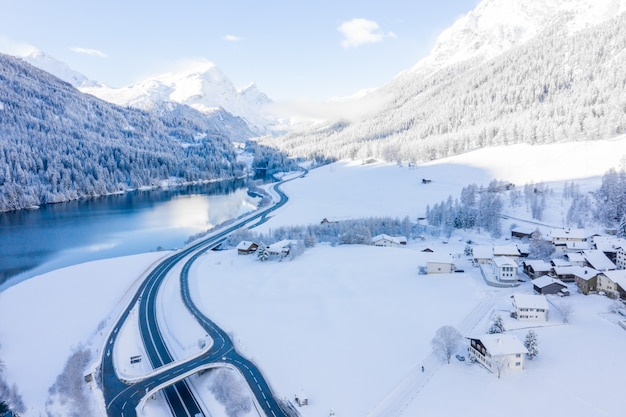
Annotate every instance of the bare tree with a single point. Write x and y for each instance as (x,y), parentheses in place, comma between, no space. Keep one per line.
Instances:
(566,310)
(446,342)
(499,365)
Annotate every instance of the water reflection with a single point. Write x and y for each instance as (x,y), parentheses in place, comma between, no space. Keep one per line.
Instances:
(37,241)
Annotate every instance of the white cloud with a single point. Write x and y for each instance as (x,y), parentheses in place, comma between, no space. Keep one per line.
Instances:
(232,38)
(359,32)
(89,51)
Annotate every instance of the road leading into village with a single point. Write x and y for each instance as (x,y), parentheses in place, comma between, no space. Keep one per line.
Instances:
(122,397)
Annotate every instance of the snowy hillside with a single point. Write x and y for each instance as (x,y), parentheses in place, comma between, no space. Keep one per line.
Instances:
(556,76)
(57,68)
(201,85)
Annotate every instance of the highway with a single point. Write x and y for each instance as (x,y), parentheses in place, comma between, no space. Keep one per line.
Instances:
(122,397)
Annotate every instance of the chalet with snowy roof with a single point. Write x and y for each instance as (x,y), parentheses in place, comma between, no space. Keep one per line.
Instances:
(596,259)
(610,245)
(245,247)
(281,248)
(522,232)
(575,258)
(524,249)
(613,283)
(566,273)
(529,307)
(536,268)
(549,285)
(586,279)
(439,263)
(482,255)
(557,262)
(509,251)
(558,236)
(388,241)
(499,349)
(504,269)
(576,246)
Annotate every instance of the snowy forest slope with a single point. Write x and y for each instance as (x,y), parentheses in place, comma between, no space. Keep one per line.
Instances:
(560,85)
(58,144)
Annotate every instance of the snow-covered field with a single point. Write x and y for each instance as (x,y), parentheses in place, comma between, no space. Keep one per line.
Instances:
(348,325)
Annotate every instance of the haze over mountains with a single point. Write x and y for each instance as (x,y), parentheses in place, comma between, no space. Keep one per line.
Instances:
(531,71)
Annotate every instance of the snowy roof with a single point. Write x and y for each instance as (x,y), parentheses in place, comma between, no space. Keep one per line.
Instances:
(439,258)
(617,276)
(538,265)
(546,280)
(244,244)
(598,260)
(395,239)
(568,233)
(575,257)
(505,250)
(609,243)
(482,252)
(500,261)
(567,269)
(574,245)
(560,262)
(524,230)
(500,344)
(530,301)
(281,245)
(585,273)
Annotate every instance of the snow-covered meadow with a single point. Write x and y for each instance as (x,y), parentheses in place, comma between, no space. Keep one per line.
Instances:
(348,325)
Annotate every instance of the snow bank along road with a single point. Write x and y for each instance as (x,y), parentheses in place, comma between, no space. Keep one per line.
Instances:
(122,397)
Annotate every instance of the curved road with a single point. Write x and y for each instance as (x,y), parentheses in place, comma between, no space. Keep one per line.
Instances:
(122,397)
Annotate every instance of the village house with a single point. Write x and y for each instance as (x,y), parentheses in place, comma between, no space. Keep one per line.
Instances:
(498,350)
(530,307)
(620,258)
(575,258)
(566,273)
(509,251)
(596,259)
(558,236)
(439,263)
(586,280)
(504,269)
(281,248)
(245,247)
(482,255)
(522,232)
(536,268)
(610,245)
(549,285)
(613,283)
(576,246)
(388,241)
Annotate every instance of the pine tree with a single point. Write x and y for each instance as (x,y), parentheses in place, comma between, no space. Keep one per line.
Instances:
(497,326)
(531,344)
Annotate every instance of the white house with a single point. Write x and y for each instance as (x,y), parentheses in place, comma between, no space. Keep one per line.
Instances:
(613,283)
(439,263)
(504,269)
(499,350)
(281,248)
(560,236)
(575,258)
(530,307)
(620,257)
(387,241)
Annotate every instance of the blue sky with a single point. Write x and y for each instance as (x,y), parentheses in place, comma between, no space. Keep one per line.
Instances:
(290,49)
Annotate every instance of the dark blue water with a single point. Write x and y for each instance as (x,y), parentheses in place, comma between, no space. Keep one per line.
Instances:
(33,242)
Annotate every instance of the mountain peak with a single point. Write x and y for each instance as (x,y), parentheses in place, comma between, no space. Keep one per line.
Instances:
(496,26)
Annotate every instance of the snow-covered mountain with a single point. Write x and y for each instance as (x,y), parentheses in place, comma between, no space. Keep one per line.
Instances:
(496,26)
(59,69)
(60,144)
(533,71)
(201,85)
